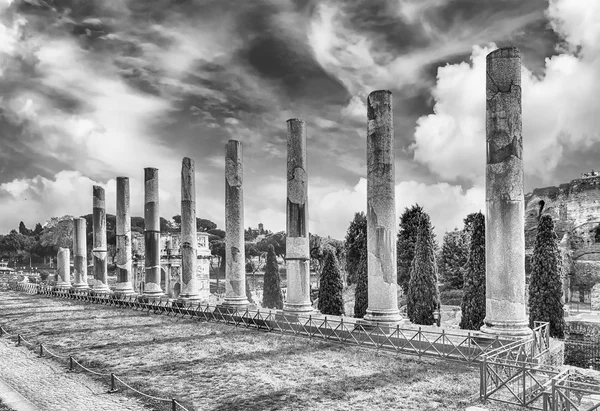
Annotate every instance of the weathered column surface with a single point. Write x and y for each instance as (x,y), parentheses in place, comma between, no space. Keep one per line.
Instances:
(297,245)
(381,211)
(63,268)
(152,234)
(505,213)
(235,270)
(79,255)
(124,284)
(99,250)
(189,240)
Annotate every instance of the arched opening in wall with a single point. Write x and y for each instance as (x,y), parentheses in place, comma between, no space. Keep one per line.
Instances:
(597,234)
(541,203)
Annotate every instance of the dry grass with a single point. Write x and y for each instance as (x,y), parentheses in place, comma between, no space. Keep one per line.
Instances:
(211,366)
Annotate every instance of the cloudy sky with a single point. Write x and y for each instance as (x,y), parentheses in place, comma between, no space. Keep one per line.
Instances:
(92,90)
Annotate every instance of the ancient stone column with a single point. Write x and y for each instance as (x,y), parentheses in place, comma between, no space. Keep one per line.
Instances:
(124,284)
(189,240)
(505,213)
(235,270)
(63,268)
(381,211)
(79,255)
(99,250)
(297,246)
(152,234)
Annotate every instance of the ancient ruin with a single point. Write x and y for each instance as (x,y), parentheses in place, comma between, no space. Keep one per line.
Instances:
(63,268)
(297,260)
(79,255)
(124,284)
(381,211)
(189,243)
(99,251)
(151,235)
(235,271)
(505,238)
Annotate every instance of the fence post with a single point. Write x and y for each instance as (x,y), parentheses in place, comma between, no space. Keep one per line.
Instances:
(482,385)
(71,363)
(41,350)
(113,386)
(18,339)
(173,405)
(524,385)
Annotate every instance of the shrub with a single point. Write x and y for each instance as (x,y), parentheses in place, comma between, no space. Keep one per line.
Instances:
(361,294)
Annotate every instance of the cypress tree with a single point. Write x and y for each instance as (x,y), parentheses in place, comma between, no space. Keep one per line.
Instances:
(453,257)
(545,287)
(272,294)
(361,294)
(423,296)
(473,302)
(331,299)
(356,243)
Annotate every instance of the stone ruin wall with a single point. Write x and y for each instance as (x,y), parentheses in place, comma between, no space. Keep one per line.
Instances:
(171,263)
(575,208)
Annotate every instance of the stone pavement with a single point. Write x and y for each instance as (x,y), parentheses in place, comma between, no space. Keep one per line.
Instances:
(48,385)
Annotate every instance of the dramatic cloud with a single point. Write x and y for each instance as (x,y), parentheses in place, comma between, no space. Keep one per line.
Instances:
(558,106)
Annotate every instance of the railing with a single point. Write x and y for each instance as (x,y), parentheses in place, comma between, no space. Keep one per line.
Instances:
(465,346)
(73,365)
(515,375)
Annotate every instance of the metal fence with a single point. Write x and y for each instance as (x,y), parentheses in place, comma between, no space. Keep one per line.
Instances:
(584,354)
(515,374)
(511,370)
(430,342)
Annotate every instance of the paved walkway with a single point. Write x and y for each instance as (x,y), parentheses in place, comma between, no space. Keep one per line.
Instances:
(46,385)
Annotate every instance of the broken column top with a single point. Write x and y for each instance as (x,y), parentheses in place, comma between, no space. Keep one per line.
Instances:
(188,180)
(503,67)
(295,120)
(379,103)
(99,197)
(233,163)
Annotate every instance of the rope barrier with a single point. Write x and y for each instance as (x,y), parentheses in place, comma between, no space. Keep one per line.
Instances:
(72,361)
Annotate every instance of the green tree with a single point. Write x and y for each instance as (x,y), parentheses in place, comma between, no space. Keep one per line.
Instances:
(356,244)
(405,244)
(277,240)
(331,299)
(473,302)
(58,232)
(453,257)
(545,287)
(272,294)
(23,229)
(423,296)
(361,293)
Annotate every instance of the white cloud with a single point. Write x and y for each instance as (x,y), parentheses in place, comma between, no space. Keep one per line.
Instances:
(331,211)
(559,109)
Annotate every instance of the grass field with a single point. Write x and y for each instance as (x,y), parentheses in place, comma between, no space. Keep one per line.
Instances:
(211,366)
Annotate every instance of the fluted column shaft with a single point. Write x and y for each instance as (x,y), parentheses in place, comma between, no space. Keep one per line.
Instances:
(189,240)
(124,284)
(99,250)
(63,268)
(152,234)
(79,254)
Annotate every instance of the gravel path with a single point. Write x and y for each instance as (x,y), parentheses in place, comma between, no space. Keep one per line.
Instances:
(49,386)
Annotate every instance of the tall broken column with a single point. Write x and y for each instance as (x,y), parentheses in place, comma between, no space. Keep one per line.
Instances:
(79,255)
(381,211)
(189,240)
(505,213)
(124,284)
(99,250)
(297,241)
(235,270)
(63,268)
(152,234)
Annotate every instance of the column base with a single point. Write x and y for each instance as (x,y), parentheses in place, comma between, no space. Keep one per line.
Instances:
(235,303)
(507,329)
(80,287)
(184,300)
(300,308)
(388,317)
(63,286)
